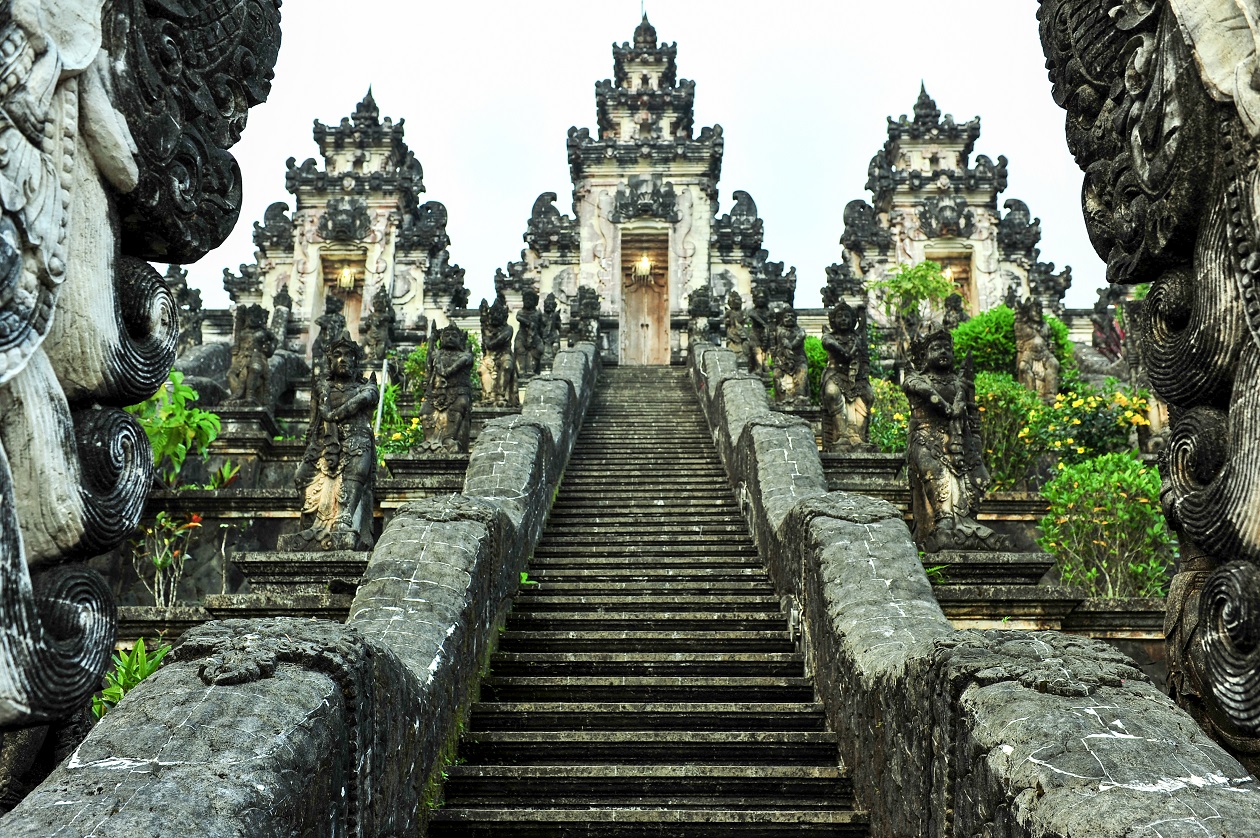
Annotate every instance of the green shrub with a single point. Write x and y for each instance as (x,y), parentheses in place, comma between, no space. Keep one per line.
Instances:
(130,668)
(990,337)
(1006,407)
(414,367)
(174,427)
(1082,425)
(1105,528)
(816,357)
(890,417)
(398,434)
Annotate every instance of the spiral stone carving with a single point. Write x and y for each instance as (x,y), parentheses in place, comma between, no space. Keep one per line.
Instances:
(149,331)
(1229,611)
(77,613)
(117,464)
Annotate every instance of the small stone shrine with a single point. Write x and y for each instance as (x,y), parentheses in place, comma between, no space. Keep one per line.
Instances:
(847,395)
(445,411)
(249,378)
(1035,363)
(529,343)
(336,477)
(498,363)
(944,450)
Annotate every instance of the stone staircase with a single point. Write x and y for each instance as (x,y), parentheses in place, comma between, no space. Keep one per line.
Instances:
(647,683)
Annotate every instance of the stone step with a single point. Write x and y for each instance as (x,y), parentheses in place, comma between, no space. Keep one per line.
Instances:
(752,578)
(636,822)
(536,599)
(638,747)
(595,587)
(678,786)
(665,519)
(644,621)
(623,687)
(646,639)
(959,567)
(649,664)
(633,549)
(577,533)
(541,562)
(621,715)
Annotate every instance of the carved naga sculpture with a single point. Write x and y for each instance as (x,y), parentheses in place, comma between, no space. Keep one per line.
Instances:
(1163,114)
(943,452)
(1035,364)
(498,362)
(444,414)
(109,160)
(847,394)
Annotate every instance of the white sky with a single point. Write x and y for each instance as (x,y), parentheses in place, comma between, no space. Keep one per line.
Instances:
(801,87)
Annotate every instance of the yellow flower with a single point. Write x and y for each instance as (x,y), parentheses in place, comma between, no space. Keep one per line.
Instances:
(899,417)
(1076,421)
(1070,440)
(1080,450)
(1078,402)
(396,435)
(415,420)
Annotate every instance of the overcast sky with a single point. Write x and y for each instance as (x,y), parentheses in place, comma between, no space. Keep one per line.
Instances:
(801,87)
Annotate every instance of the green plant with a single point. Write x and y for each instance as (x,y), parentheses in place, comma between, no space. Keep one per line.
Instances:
(130,668)
(225,475)
(158,555)
(525,580)
(816,358)
(398,434)
(414,367)
(908,298)
(936,574)
(1005,410)
(1105,528)
(990,338)
(1079,426)
(890,417)
(174,427)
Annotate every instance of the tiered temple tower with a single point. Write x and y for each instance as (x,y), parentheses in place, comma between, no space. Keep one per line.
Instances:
(930,202)
(358,225)
(644,231)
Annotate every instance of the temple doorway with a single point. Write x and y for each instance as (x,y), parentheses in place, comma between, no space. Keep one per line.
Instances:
(644,326)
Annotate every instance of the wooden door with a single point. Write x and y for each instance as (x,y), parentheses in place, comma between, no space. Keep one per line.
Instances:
(645,300)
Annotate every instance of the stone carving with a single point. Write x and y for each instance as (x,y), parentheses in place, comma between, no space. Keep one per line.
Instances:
(841,283)
(424,228)
(847,395)
(553,326)
(1108,338)
(188,308)
(862,230)
(549,231)
(740,230)
(1050,287)
(336,477)
(1035,364)
(345,220)
(955,312)
(699,311)
(118,120)
(445,411)
(644,197)
(331,323)
(1161,108)
(240,288)
(529,336)
(1018,232)
(513,280)
(941,217)
(446,280)
(275,234)
(253,344)
(761,325)
(791,367)
(377,328)
(498,362)
(769,276)
(944,452)
(584,316)
(734,326)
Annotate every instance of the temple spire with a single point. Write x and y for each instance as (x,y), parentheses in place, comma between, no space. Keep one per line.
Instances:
(925,110)
(645,35)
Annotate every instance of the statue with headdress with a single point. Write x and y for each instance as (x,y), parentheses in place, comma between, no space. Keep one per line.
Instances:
(331,324)
(944,450)
(734,326)
(253,344)
(377,328)
(498,364)
(553,326)
(1035,364)
(761,334)
(444,413)
(791,366)
(955,312)
(529,339)
(847,394)
(699,310)
(336,476)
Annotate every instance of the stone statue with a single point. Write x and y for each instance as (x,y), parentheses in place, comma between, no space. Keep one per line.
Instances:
(791,367)
(188,308)
(761,334)
(943,456)
(444,413)
(699,309)
(1035,364)
(584,316)
(529,338)
(498,364)
(1181,77)
(336,476)
(377,328)
(847,394)
(955,312)
(736,329)
(331,323)
(253,344)
(552,328)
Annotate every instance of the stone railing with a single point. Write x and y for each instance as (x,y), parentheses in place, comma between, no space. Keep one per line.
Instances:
(946,732)
(307,727)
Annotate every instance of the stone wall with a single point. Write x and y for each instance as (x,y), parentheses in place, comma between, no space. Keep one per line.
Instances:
(306,727)
(997,733)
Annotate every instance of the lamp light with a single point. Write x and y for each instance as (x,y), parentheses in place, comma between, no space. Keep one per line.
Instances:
(948,273)
(643,268)
(346,278)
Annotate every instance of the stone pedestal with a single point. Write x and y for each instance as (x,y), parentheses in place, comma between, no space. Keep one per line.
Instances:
(857,471)
(247,424)
(294,584)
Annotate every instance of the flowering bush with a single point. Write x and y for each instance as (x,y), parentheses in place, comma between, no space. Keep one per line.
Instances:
(890,417)
(158,555)
(397,434)
(990,337)
(1006,408)
(1082,425)
(1105,528)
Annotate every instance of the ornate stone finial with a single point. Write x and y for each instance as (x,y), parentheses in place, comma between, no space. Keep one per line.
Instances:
(644,35)
(337,475)
(498,359)
(944,453)
(925,111)
(253,344)
(548,231)
(444,413)
(366,113)
(847,395)
(188,308)
(275,234)
(1035,363)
